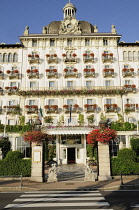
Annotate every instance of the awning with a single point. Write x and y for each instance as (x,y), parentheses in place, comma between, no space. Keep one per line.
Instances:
(67,131)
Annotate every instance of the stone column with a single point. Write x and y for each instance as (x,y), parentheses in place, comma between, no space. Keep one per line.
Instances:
(37,162)
(104,162)
(84,136)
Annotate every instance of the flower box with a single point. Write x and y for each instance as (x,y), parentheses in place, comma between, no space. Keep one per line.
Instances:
(47,70)
(46,106)
(47,55)
(64,55)
(74,55)
(110,107)
(92,54)
(75,70)
(65,106)
(8,71)
(29,55)
(28,70)
(76,106)
(86,70)
(36,55)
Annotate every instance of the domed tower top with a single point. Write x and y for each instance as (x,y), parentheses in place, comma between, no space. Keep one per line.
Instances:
(69,10)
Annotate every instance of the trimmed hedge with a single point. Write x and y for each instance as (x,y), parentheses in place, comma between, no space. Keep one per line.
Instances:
(126,126)
(135,144)
(14,165)
(125,163)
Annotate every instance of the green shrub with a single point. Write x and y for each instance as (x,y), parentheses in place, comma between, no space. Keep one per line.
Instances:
(13,165)
(125,163)
(5,146)
(126,126)
(135,144)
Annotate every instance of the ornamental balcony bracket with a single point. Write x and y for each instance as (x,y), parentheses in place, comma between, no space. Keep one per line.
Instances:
(52,59)
(33,59)
(108,73)
(131,108)
(107,58)
(13,75)
(71,59)
(33,75)
(130,88)
(12,109)
(90,108)
(128,72)
(70,73)
(51,109)
(88,59)
(68,109)
(11,90)
(31,109)
(51,74)
(110,107)
(89,74)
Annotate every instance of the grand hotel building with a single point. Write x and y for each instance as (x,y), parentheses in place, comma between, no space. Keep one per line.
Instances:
(75,75)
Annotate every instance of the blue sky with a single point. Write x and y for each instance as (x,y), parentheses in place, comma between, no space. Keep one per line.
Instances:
(16,14)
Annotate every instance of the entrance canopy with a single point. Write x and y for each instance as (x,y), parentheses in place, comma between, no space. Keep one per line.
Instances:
(67,130)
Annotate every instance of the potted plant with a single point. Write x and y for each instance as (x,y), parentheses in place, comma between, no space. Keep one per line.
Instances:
(34,136)
(55,55)
(14,88)
(74,55)
(76,106)
(133,86)
(65,106)
(29,55)
(47,55)
(1,72)
(86,105)
(92,54)
(86,70)
(131,69)
(90,118)
(47,70)
(28,70)
(111,54)
(54,70)
(8,71)
(85,54)
(92,70)
(16,71)
(104,54)
(75,70)
(36,56)
(47,107)
(35,71)
(27,106)
(7,88)
(65,70)
(64,55)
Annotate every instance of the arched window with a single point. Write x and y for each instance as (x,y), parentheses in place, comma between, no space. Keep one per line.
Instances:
(130,56)
(1,57)
(10,57)
(125,56)
(5,58)
(15,57)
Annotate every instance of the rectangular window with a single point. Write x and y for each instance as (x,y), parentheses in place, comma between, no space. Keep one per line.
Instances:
(51,84)
(107,83)
(69,83)
(108,101)
(89,101)
(11,122)
(13,84)
(105,42)
(69,42)
(12,102)
(88,84)
(31,102)
(70,102)
(88,67)
(51,102)
(87,42)
(107,66)
(52,42)
(23,147)
(34,43)
(126,66)
(33,67)
(33,84)
(127,82)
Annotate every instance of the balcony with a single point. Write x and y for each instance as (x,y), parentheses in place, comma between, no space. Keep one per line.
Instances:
(33,58)
(107,58)
(70,59)
(90,107)
(51,58)
(31,109)
(51,73)
(11,90)
(88,58)
(108,72)
(128,72)
(131,108)
(14,74)
(70,73)
(73,108)
(110,107)
(1,91)
(33,73)
(130,88)
(15,109)
(89,73)
(51,109)
(1,75)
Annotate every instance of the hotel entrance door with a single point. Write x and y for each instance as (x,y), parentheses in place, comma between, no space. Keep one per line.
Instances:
(71,155)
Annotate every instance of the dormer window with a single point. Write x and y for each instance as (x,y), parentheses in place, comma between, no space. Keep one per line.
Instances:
(34,43)
(105,42)
(52,42)
(87,42)
(69,42)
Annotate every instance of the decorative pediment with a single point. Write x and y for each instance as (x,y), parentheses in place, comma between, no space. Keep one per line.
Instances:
(70,26)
